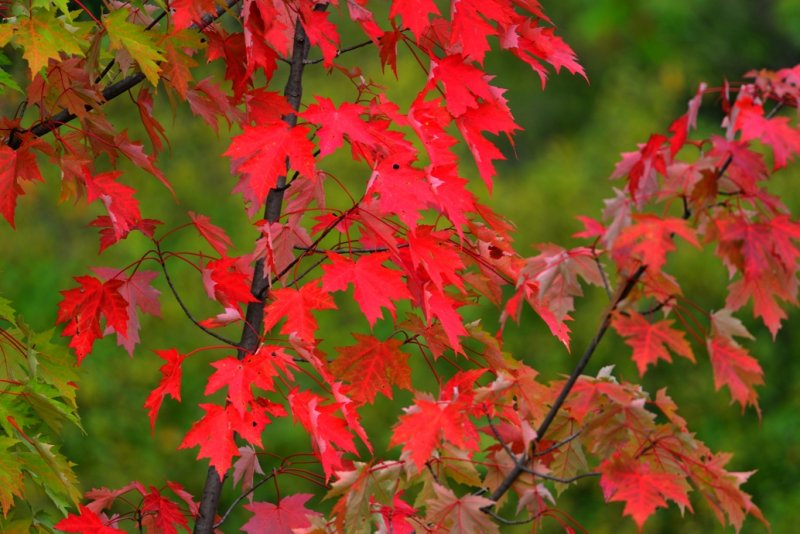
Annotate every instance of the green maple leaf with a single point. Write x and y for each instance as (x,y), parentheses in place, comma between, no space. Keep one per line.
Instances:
(136,40)
(42,37)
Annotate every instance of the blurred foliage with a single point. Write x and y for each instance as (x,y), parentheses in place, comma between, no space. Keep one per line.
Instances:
(644,60)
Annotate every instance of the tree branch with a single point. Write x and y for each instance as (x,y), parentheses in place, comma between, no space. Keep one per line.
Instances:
(110,92)
(520,466)
(339,52)
(254,316)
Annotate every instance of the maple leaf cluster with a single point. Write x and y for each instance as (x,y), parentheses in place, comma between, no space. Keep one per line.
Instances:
(414,247)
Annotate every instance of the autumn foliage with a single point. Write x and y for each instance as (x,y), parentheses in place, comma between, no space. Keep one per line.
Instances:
(409,242)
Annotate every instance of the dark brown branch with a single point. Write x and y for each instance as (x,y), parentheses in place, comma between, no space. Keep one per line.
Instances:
(560,480)
(343,250)
(520,465)
(340,52)
(558,444)
(111,92)
(254,316)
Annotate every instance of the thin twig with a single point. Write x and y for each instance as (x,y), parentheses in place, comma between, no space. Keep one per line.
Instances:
(244,495)
(183,306)
(603,276)
(559,479)
(558,444)
(339,52)
(346,250)
(504,521)
(502,441)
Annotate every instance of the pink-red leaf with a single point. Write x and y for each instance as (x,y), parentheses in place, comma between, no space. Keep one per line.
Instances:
(641,487)
(290,513)
(650,340)
(649,239)
(735,368)
(170,383)
(215,235)
(330,436)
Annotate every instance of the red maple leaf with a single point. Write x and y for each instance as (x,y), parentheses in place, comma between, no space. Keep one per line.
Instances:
(767,255)
(465,84)
(722,491)
(102,498)
(329,434)
(83,307)
(296,305)
(321,32)
(427,422)
(439,305)
(122,208)
(215,235)
(649,239)
(450,194)
(532,43)
(290,513)
(227,282)
(16,165)
(137,289)
(402,188)
(432,252)
(776,132)
(650,341)
(170,383)
(86,522)
(371,366)
(430,120)
(493,117)
(160,514)
(471,31)
(336,124)
(213,433)
(277,245)
(415,14)
(260,153)
(376,286)
(240,375)
(641,487)
(529,290)
(735,368)
(209,102)
(188,11)
(395,517)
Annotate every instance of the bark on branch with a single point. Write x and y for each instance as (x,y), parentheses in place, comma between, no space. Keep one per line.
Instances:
(254,316)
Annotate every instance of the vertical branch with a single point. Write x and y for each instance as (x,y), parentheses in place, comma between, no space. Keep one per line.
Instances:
(254,316)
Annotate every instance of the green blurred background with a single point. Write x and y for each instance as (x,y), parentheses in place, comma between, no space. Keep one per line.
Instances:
(644,60)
